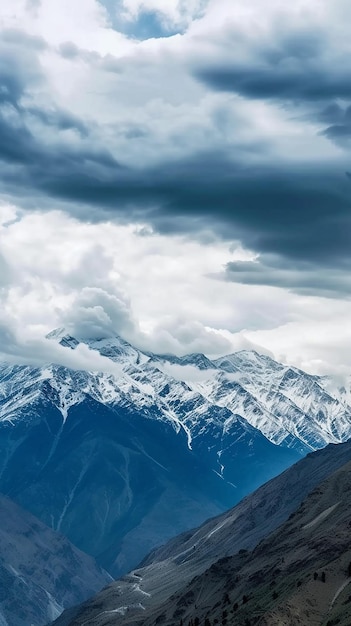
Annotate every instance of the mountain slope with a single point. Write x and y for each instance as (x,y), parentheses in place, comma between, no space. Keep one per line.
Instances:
(300,574)
(105,458)
(41,572)
(103,475)
(153,589)
(119,448)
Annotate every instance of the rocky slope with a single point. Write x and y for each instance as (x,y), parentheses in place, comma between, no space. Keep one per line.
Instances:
(300,574)
(41,572)
(193,574)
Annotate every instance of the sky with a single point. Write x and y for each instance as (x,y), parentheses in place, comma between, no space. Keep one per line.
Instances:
(177,172)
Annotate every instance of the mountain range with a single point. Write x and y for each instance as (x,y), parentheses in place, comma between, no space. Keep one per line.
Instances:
(106,457)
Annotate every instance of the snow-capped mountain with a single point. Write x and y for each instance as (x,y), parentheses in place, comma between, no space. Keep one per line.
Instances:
(289,406)
(119,461)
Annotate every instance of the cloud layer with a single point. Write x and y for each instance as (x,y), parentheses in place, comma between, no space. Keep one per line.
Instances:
(197,129)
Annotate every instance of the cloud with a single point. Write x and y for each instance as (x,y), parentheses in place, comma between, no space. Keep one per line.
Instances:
(96,314)
(338,119)
(47,151)
(296,214)
(6,275)
(302,278)
(213,163)
(185,373)
(181,336)
(292,53)
(101,279)
(285,75)
(155,290)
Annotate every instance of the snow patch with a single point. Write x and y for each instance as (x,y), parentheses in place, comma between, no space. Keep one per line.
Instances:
(217,528)
(54,608)
(322,516)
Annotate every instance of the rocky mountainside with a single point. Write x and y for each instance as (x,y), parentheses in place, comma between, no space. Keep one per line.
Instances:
(106,457)
(41,572)
(266,545)
(300,574)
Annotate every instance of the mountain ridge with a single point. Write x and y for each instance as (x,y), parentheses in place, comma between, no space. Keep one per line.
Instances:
(268,386)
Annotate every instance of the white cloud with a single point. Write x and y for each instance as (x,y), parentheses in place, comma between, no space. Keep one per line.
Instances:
(96,313)
(102,278)
(318,340)
(185,373)
(83,22)
(154,290)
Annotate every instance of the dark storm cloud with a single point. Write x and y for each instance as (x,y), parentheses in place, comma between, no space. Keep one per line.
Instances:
(11,81)
(19,72)
(298,82)
(304,278)
(288,66)
(297,216)
(305,215)
(19,66)
(338,119)
(293,214)
(60,119)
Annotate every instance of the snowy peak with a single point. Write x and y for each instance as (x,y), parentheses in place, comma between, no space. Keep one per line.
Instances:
(118,350)
(247,361)
(114,347)
(197,360)
(62,336)
(289,407)
(57,334)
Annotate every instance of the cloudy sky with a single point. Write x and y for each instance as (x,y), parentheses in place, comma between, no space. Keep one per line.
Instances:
(178,172)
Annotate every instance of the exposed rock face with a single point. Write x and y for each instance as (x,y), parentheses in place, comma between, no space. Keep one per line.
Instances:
(209,570)
(41,572)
